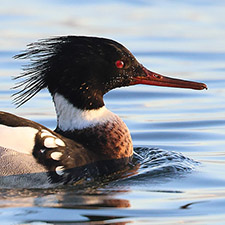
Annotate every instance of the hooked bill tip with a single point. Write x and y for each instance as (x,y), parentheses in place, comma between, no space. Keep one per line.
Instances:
(203,86)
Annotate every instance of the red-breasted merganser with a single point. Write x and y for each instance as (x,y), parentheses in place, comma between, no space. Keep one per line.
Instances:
(89,140)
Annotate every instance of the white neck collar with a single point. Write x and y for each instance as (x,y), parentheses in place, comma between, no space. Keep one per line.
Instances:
(69,117)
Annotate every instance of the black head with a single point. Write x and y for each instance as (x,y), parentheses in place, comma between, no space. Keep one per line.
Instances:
(83,69)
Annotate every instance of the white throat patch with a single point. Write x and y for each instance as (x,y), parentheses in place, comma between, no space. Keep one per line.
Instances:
(69,117)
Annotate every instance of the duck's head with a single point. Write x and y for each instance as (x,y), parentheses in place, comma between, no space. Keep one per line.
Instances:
(83,69)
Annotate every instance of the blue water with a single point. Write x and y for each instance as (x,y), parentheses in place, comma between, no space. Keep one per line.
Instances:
(179,134)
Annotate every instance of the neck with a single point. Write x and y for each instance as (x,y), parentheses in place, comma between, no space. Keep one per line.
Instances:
(70,118)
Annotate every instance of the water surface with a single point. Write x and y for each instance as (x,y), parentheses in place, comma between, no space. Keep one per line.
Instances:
(179,134)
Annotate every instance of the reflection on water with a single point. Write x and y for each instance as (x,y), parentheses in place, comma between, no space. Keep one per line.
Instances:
(68,205)
(178,174)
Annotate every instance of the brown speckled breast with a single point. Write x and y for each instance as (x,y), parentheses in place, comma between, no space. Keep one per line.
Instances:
(110,140)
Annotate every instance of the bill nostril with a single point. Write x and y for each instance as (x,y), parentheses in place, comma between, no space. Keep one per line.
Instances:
(157,76)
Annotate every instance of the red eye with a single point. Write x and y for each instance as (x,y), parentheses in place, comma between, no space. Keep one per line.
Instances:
(119,64)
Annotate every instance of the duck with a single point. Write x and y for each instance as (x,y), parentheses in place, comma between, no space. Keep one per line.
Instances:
(89,140)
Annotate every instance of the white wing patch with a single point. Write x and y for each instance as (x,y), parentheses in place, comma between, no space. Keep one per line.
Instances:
(59,142)
(56,155)
(46,133)
(59,170)
(20,139)
(51,141)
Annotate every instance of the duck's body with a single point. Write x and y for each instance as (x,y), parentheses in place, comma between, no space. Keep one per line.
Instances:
(96,147)
(89,140)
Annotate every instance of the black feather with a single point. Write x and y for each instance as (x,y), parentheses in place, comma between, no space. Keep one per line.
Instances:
(34,75)
(64,64)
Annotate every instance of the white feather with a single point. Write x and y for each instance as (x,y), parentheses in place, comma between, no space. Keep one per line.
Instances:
(69,117)
(20,139)
(49,142)
(46,133)
(59,170)
(59,142)
(56,155)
